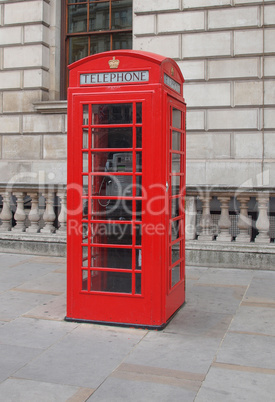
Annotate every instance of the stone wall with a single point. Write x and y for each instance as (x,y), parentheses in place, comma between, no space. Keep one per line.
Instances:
(226,50)
(32,144)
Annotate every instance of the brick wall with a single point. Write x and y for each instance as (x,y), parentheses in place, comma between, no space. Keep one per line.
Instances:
(226,50)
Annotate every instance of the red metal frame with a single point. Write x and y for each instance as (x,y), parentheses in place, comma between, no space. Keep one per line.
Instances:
(125,278)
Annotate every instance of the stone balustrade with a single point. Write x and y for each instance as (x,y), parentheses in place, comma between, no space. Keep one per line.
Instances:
(220,215)
(226,215)
(33,210)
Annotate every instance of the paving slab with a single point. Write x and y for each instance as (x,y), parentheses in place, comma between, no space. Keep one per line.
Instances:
(236,385)
(195,272)
(220,346)
(52,309)
(256,319)
(84,357)
(248,350)
(192,354)
(135,390)
(15,389)
(29,332)
(14,304)
(189,321)
(226,277)
(50,259)
(52,283)
(13,358)
(25,272)
(262,287)
(215,299)
(9,260)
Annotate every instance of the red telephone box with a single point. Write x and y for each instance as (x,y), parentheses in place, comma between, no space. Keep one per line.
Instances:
(126,188)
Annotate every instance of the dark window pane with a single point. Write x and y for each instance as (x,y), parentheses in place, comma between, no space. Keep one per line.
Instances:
(99,16)
(111,257)
(138,164)
(121,14)
(138,187)
(109,209)
(112,137)
(77,18)
(138,284)
(115,282)
(139,211)
(111,233)
(139,113)
(78,48)
(85,209)
(138,235)
(99,43)
(139,137)
(113,162)
(122,41)
(117,113)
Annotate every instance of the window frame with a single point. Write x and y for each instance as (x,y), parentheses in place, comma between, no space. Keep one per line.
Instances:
(65,37)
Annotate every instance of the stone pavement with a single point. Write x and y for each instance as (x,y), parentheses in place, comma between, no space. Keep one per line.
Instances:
(219,347)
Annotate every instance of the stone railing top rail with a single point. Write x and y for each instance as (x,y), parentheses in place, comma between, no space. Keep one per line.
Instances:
(29,186)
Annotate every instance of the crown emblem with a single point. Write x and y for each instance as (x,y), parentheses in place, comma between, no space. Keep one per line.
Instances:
(172,71)
(114,63)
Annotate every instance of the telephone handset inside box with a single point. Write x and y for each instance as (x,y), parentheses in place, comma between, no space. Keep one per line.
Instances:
(119,185)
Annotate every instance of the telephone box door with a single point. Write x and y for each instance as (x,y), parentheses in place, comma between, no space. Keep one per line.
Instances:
(108,281)
(176,153)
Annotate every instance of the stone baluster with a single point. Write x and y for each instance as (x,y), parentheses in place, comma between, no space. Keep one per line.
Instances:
(20,215)
(6,215)
(33,214)
(262,222)
(49,215)
(244,222)
(190,218)
(206,222)
(62,217)
(224,221)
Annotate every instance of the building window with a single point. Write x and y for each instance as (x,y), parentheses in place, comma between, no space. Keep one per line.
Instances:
(94,26)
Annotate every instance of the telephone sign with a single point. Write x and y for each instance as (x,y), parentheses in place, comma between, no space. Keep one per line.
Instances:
(114,78)
(126,189)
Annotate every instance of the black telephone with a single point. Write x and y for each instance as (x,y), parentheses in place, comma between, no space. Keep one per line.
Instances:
(119,185)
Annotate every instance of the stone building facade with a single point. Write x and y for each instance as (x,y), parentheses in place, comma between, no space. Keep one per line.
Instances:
(226,50)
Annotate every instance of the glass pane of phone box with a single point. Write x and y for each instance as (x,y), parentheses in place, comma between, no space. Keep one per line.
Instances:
(117,113)
(114,282)
(113,137)
(112,162)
